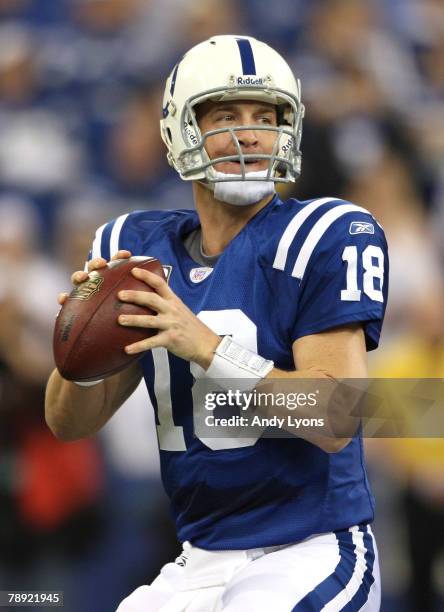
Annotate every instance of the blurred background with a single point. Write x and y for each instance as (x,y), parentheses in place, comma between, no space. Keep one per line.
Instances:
(80,89)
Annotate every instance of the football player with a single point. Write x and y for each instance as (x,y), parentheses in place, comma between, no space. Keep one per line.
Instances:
(258,290)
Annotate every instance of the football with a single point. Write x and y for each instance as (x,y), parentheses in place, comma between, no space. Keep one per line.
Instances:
(88,341)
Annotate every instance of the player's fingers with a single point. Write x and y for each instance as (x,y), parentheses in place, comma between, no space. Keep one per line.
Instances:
(96,263)
(79,277)
(61,298)
(153,280)
(148,344)
(148,299)
(123,254)
(151,321)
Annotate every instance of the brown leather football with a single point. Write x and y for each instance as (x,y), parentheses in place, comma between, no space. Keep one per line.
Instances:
(88,341)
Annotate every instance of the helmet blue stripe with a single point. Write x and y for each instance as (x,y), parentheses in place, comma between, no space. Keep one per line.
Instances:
(165,109)
(247,57)
(173,79)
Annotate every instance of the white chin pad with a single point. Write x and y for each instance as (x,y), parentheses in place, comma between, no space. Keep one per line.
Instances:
(243,193)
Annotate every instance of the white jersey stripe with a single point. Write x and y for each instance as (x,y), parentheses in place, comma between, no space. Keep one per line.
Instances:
(351,588)
(115,234)
(292,229)
(316,233)
(97,244)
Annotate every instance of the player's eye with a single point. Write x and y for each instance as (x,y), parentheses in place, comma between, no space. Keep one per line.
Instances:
(265,119)
(225,117)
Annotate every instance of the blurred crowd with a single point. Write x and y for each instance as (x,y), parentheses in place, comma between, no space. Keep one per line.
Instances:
(80,98)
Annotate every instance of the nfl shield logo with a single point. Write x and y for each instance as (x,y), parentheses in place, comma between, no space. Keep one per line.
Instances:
(197,275)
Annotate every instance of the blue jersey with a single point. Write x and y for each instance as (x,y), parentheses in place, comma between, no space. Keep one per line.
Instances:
(296,268)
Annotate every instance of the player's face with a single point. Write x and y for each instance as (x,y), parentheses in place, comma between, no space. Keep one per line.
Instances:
(217,115)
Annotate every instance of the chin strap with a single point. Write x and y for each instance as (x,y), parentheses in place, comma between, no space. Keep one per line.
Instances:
(241,193)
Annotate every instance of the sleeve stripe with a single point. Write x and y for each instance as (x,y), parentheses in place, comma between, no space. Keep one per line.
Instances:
(115,234)
(316,233)
(292,229)
(97,244)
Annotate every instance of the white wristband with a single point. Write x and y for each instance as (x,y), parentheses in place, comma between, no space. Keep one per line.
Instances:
(233,361)
(89,383)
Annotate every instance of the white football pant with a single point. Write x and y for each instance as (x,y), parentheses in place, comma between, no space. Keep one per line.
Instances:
(331,572)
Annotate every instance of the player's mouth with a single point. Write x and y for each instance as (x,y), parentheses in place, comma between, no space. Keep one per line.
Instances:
(251,165)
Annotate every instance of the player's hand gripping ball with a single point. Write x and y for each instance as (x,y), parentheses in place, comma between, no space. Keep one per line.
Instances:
(88,341)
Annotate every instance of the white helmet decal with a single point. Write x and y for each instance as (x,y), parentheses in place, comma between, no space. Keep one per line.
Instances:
(231,68)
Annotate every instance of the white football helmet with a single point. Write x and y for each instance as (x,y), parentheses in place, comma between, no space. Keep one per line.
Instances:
(231,68)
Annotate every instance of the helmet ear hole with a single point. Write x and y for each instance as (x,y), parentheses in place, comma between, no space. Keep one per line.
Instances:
(283,111)
(168,135)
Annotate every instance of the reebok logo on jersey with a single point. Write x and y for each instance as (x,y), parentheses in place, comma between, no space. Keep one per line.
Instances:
(361,227)
(197,275)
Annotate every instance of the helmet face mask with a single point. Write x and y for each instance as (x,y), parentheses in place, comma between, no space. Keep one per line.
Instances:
(186,90)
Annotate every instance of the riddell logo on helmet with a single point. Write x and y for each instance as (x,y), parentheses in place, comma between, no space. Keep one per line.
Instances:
(191,135)
(250,80)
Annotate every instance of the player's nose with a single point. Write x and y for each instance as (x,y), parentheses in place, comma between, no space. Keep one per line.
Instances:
(247,137)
